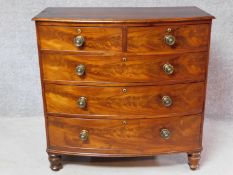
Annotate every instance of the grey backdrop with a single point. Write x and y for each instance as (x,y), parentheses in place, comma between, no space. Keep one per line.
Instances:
(20,92)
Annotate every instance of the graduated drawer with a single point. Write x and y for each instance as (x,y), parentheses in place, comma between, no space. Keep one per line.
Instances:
(138,136)
(185,67)
(95,39)
(152,39)
(170,100)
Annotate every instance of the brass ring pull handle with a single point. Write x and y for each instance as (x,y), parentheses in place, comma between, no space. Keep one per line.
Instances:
(80,70)
(165,133)
(83,135)
(168,69)
(82,102)
(79,41)
(169,40)
(167,101)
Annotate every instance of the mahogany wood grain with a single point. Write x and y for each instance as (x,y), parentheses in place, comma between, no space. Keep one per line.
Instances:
(151,39)
(120,136)
(187,99)
(42,83)
(96,39)
(122,14)
(112,24)
(206,82)
(123,123)
(55,162)
(193,160)
(188,67)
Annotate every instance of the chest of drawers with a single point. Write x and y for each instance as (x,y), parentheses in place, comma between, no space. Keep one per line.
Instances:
(123,82)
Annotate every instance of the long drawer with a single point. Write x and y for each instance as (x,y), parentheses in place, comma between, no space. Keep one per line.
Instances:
(179,38)
(174,68)
(170,100)
(138,136)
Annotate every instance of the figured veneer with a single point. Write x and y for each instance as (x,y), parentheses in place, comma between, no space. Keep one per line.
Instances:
(120,136)
(96,39)
(188,67)
(140,100)
(151,39)
(123,82)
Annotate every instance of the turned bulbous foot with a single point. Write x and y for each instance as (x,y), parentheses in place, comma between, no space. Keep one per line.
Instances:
(193,160)
(55,162)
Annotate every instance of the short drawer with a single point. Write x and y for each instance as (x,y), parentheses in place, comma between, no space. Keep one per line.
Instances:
(138,136)
(170,100)
(162,69)
(80,39)
(172,38)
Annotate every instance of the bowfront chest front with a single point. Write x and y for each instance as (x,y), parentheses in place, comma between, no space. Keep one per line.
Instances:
(123,82)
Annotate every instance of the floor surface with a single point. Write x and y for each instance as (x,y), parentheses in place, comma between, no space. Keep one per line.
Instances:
(22,152)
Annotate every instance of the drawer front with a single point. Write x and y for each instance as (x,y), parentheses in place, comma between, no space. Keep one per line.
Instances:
(95,39)
(152,39)
(140,100)
(138,136)
(185,67)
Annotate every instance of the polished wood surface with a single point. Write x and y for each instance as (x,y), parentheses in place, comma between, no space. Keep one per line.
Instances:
(188,67)
(151,39)
(122,14)
(193,160)
(55,162)
(187,99)
(96,39)
(120,136)
(124,81)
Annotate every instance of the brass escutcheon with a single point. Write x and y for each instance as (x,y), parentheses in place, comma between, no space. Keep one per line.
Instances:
(124,122)
(124,59)
(169,30)
(124,90)
(79,31)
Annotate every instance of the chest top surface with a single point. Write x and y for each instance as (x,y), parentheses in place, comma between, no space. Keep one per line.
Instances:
(122,14)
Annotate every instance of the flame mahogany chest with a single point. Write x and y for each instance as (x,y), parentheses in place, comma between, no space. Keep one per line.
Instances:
(123,82)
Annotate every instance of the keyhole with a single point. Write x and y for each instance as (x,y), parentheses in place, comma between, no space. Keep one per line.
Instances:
(124,59)
(124,122)
(124,90)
